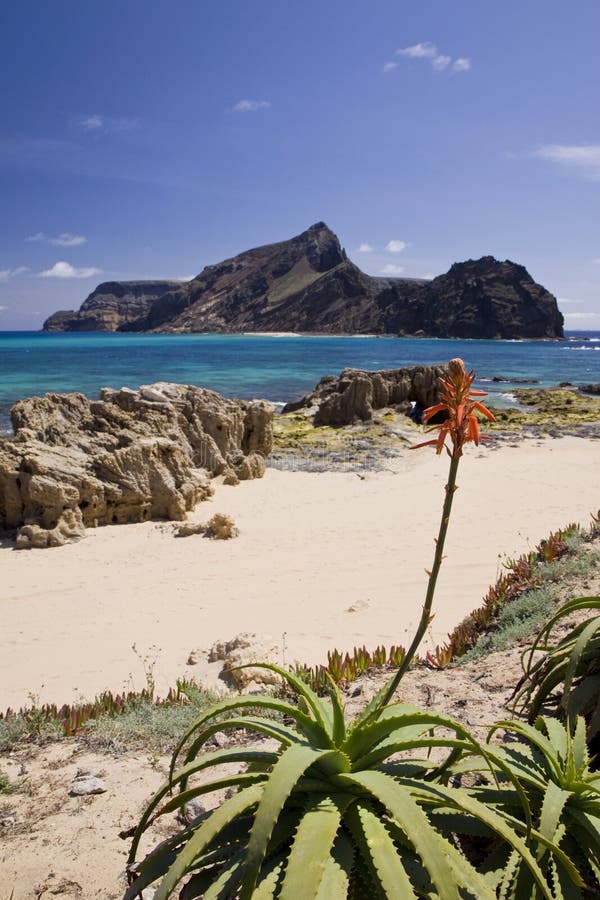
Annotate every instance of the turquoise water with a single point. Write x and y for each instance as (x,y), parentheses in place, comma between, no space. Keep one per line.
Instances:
(278,368)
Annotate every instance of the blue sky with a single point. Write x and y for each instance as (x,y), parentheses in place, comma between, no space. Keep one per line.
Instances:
(144,139)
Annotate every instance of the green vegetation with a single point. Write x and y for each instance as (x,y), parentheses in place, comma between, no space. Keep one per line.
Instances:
(295,432)
(6,785)
(566,679)
(551,762)
(300,276)
(115,721)
(547,410)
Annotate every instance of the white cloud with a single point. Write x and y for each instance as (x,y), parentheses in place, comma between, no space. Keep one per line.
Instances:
(109,123)
(66,239)
(440,62)
(92,123)
(250,105)
(66,270)
(389,66)
(568,300)
(424,50)
(396,246)
(4,308)
(583,316)
(584,158)
(365,248)
(5,274)
(429,51)
(391,269)
(596,261)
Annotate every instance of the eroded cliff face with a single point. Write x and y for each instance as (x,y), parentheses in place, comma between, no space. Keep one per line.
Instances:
(128,457)
(112,306)
(308,284)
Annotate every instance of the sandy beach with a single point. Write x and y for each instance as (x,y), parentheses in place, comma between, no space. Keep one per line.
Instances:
(323,560)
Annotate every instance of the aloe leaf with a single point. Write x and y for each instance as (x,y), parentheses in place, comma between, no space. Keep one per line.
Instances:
(150,869)
(359,742)
(558,735)
(338,732)
(319,709)
(552,809)
(373,707)
(584,696)
(590,630)
(281,733)
(225,884)
(391,746)
(410,817)
(270,883)
(501,824)
(207,833)
(286,773)
(209,759)
(377,847)
(338,871)
(238,703)
(312,847)
(535,737)
(242,779)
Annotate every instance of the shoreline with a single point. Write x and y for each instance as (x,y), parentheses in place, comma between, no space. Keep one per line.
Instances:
(312,546)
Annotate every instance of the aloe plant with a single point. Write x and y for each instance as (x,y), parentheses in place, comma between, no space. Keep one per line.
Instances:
(551,761)
(567,677)
(333,812)
(342,809)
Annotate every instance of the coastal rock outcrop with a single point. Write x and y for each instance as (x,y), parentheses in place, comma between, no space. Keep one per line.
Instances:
(308,284)
(355,393)
(127,457)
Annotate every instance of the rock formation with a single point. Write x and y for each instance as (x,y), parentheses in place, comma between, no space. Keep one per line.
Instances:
(308,284)
(127,457)
(341,400)
(112,306)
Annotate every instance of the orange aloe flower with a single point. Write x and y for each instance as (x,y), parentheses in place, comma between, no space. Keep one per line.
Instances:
(458,402)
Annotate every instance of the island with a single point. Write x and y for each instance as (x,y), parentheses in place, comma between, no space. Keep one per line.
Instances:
(307,284)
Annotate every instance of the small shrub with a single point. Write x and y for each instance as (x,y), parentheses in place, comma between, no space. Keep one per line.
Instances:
(6,785)
(221,527)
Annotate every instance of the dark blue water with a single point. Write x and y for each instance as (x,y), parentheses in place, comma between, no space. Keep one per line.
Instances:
(278,368)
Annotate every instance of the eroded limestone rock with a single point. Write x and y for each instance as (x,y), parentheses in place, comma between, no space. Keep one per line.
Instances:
(242,650)
(130,456)
(341,400)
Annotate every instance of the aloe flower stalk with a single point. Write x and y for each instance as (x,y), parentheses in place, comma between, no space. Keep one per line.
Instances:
(458,403)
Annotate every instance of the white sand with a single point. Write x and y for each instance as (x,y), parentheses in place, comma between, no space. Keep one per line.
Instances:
(311,546)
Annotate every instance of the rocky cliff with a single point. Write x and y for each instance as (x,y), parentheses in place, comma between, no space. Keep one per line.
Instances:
(112,306)
(127,457)
(308,284)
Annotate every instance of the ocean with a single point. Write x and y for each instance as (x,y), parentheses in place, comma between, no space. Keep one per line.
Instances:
(278,368)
